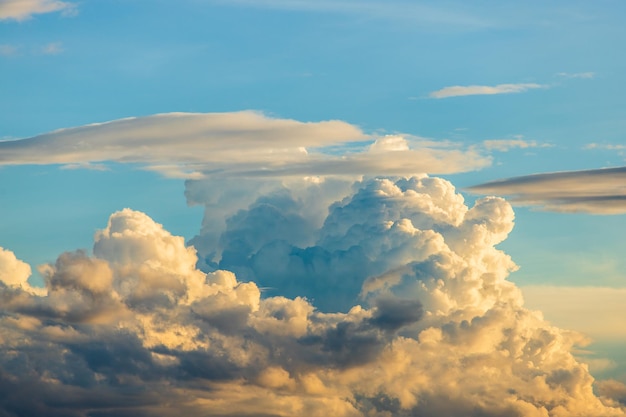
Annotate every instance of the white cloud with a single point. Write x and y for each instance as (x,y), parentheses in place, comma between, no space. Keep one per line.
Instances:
(504,145)
(599,191)
(473,90)
(242,143)
(586,75)
(136,328)
(605,146)
(24,9)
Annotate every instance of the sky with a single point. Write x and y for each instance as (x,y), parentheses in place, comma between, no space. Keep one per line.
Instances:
(297,207)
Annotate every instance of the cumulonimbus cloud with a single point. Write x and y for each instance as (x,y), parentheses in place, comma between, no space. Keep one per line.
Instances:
(23,9)
(596,191)
(240,144)
(434,328)
(479,90)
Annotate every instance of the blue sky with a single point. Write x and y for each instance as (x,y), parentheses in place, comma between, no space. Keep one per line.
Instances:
(473,93)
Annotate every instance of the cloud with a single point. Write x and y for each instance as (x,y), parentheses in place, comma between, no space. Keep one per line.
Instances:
(586,75)
(7,50)
(474,90)
(598,191)
(53,48)
(613,390)
(609,147)
(137,329)
(595,311)
(504,145)
(24,9)
(185,145)
(435,328)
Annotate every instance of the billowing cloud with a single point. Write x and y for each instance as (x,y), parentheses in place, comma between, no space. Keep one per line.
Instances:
(597,191)
(23,9)
(434,327)
(613,390)
(184,145)
(479,90)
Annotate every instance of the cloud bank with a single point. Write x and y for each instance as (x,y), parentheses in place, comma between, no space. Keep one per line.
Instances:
(244,144)
(24,9)
(431,326)
(597,191)
(479,90)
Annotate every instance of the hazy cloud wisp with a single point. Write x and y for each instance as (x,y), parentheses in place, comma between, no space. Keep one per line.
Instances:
(478,90)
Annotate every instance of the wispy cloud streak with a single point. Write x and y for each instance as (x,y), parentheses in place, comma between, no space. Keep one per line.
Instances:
(479,90)
(598,191)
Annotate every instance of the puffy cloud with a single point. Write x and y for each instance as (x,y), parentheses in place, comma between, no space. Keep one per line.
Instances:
(23,9)
(479,90)
(248,144)
(136,329)
(597,191)
(13,272)
(613,390)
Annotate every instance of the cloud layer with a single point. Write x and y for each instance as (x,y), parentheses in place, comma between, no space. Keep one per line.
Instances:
(479,90)
(241,143)
(434,328)
(23,9)
(597,191)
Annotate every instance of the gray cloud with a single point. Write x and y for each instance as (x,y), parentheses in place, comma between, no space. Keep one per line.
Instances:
(240,144)
(597,191)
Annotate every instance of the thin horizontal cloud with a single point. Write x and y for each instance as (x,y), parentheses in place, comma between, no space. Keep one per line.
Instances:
(185,145)
(505,145)
(24,9)
(479,90)
(605,146)
(597,191)
(584,75)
